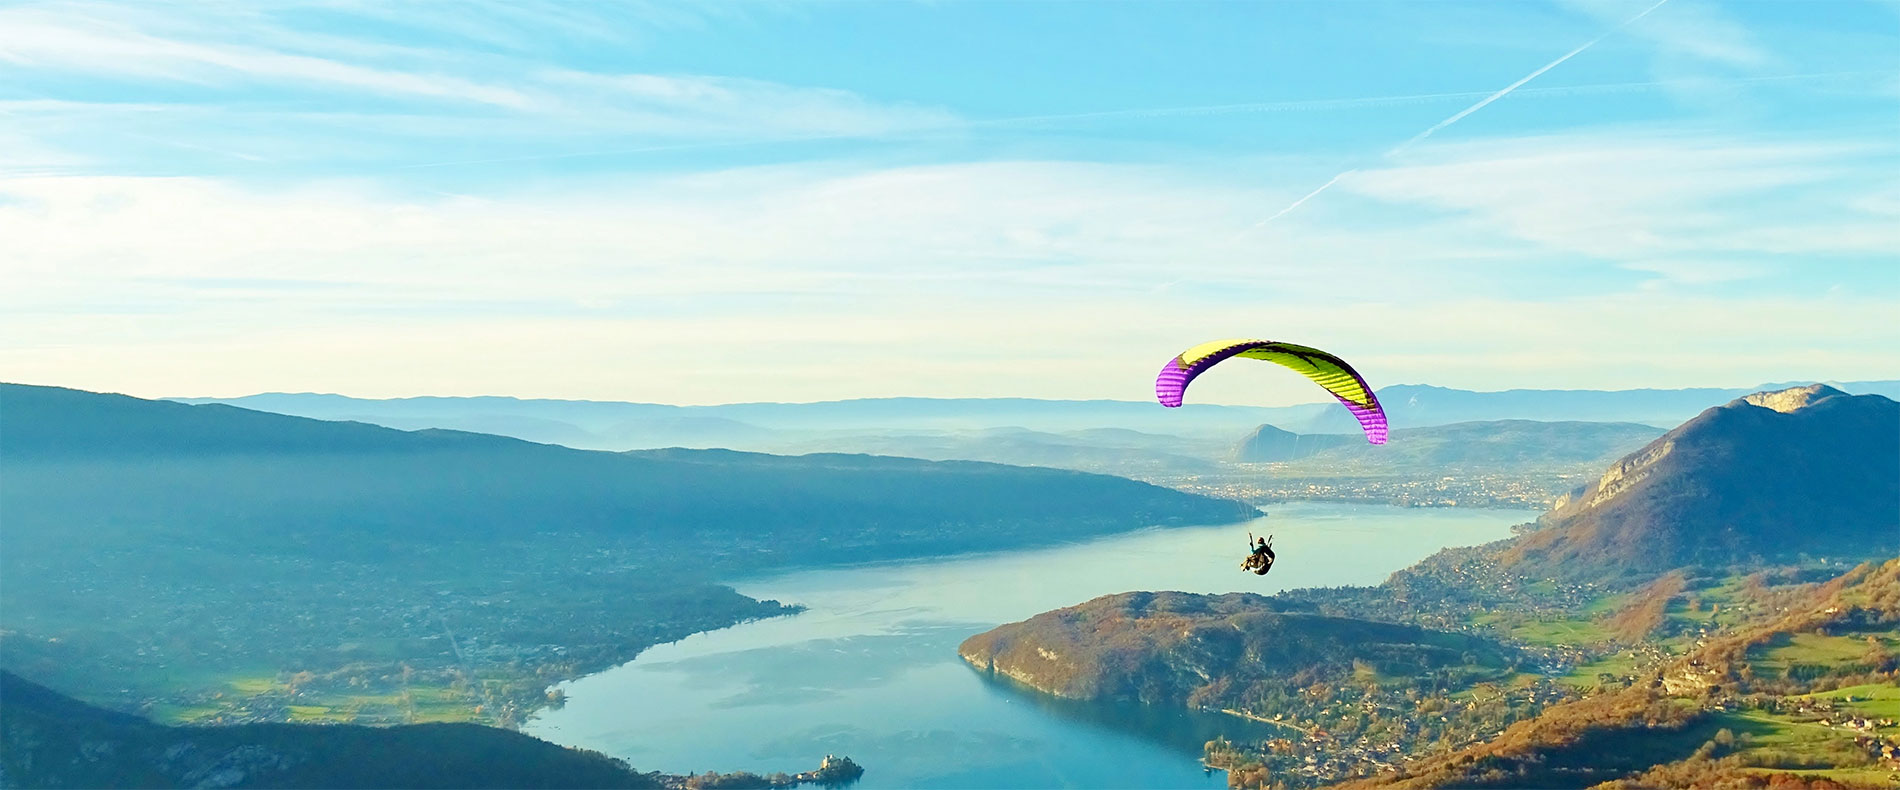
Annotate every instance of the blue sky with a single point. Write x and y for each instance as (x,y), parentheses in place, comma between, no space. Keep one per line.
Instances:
(713,202)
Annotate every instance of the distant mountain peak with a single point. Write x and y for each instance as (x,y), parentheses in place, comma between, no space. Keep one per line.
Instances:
(1804,470)
(1792,398)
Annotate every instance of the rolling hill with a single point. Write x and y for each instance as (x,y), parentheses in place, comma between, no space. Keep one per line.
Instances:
(1464,444)
(1107,450)
(1206,650)
(74,458)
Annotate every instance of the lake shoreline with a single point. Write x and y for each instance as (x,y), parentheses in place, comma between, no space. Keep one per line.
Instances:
(871,668)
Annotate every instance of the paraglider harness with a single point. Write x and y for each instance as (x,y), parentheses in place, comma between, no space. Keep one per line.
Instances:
(1261,560)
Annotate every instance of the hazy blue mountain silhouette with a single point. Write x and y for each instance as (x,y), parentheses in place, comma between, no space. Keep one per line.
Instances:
(73,457)
(1488,443)
(776,426)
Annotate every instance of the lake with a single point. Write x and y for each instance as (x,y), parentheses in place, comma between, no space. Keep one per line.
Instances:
(870,670)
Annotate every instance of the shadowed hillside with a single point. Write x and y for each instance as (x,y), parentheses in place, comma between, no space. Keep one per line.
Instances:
(48,739)
(76,459)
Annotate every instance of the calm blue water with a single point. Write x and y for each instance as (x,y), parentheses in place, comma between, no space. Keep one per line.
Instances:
(871,669)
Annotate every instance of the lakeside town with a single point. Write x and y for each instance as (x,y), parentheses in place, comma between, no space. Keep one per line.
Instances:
(1479,489)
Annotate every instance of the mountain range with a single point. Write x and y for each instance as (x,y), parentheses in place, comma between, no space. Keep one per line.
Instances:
(1463,444)
(772,426)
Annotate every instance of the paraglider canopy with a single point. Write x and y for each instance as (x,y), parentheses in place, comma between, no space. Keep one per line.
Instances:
(1324,369)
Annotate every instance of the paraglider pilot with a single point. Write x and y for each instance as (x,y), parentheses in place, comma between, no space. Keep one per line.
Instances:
(1261,560)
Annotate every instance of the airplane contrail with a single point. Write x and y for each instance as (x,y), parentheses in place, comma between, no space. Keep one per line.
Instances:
(1309,196)
(1462,114)
(1527,78)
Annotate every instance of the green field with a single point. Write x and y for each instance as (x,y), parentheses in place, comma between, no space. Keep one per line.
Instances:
(1877,777)
(1620,663)
(252,686)
(1876,700)
(246,694)
(184,714)
(1605,605)
(1566,631)
(1777,742)
(1822,653)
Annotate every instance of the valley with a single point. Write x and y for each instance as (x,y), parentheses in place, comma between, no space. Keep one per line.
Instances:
(301,584)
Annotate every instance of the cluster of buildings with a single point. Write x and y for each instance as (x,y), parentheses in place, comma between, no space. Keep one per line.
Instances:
(1490,489)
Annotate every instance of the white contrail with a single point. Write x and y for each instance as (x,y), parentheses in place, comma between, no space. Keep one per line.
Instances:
(1461,114)
(1527,78)
(1309,196)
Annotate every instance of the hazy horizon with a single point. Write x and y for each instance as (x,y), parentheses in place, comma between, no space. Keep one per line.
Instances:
(1291,400)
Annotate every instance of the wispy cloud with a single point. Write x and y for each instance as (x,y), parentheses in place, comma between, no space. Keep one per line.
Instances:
(37,39)
(1691,29)
(1011,269)
(512,97)
(1628,196)
(262,196)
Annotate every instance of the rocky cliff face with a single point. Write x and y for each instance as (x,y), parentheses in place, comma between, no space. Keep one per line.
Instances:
(1791,399)
(1773,475)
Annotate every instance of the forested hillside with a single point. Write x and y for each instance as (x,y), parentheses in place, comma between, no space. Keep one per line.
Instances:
(231,565)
